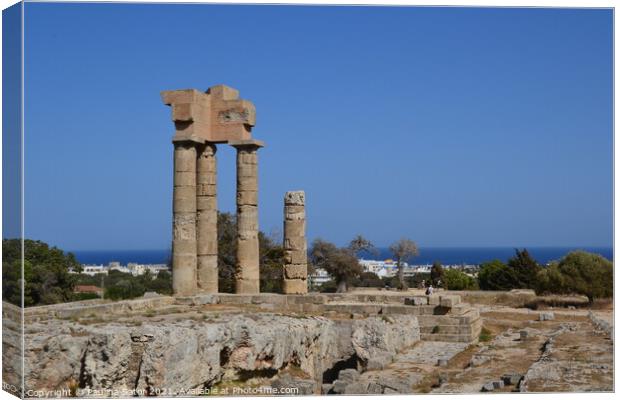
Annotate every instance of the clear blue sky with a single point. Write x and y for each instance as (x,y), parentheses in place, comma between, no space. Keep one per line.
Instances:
(454,127)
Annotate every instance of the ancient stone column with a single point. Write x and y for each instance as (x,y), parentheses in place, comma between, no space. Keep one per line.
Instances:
(184,219)
(295,247)
(246,269)
(206,218)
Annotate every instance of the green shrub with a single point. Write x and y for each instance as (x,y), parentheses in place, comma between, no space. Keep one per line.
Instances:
(456,280)
(485,335)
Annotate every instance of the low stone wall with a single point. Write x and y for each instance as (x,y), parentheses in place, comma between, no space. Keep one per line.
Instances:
(442,316)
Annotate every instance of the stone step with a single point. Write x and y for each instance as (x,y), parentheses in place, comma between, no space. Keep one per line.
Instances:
(438,337)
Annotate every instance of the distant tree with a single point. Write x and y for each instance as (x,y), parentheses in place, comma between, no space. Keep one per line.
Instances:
(125,289)
(271,260)
(436,273)
(456,280)
(579,272)
(360,244)
(402,251)
(271,257)
(226,251)
(495,275)
(526,269)
(341,264)
(45,269)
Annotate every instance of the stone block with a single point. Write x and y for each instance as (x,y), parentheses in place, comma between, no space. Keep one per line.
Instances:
(295,257)
(296,271)
(546,316)
(247,197)
(295,228)
(488,387)
(416,301)
(357,388)
(348,375)
(205,189)
(449,301)
(295,243)
(206,203)
(523,335)
(339,386)
(295,286)
(433,300)
(184,178)
(378,362)
(442,362)
(295,198)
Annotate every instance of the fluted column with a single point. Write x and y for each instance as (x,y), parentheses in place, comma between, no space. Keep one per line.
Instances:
(184,219)
(206,218)
(295,247)
(247,264)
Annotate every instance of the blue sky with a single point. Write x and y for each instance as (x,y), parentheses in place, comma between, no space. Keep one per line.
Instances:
(454,127)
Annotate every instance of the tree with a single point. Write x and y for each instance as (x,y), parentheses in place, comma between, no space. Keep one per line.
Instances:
(526,269)
(402,251)
(436,273)
(271,260)
(226,251)
(271,257)
(579,272)
(45,269)
(361,244)
(456,280)
(341,264)
(495,275)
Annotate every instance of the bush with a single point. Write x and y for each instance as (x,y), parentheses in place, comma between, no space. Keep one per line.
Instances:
(368,279)
(85,296)
(495,275)
(456,280)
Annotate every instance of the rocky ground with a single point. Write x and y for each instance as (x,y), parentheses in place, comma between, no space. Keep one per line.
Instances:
(225,350)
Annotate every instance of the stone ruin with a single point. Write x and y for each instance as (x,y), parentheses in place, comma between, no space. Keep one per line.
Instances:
(202,120)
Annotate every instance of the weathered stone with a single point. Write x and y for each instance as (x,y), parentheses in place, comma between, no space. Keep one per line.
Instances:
(449,300)
(442,362)
(512,378)
(498,384)
(295,286)
(217,115)
(295,256)
(546,316)
(488,387)
(247,266)
(348,375)
(416,301)
(184,258)
(433,300)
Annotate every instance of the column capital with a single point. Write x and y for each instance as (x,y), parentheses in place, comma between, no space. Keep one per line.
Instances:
(247,144)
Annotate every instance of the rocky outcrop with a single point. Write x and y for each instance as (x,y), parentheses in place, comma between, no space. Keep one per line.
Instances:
(176,357)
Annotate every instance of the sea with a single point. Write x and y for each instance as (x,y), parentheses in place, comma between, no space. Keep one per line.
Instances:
(445,255)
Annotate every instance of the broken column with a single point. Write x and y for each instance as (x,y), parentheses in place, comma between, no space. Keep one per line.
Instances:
(206,219)
(295,247)
(184,219)
(246,268)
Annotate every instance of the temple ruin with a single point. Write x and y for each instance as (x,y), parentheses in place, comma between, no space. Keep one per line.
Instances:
(202,120)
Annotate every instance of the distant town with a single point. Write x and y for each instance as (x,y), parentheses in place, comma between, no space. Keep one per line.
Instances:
(382,268)
(134,269)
